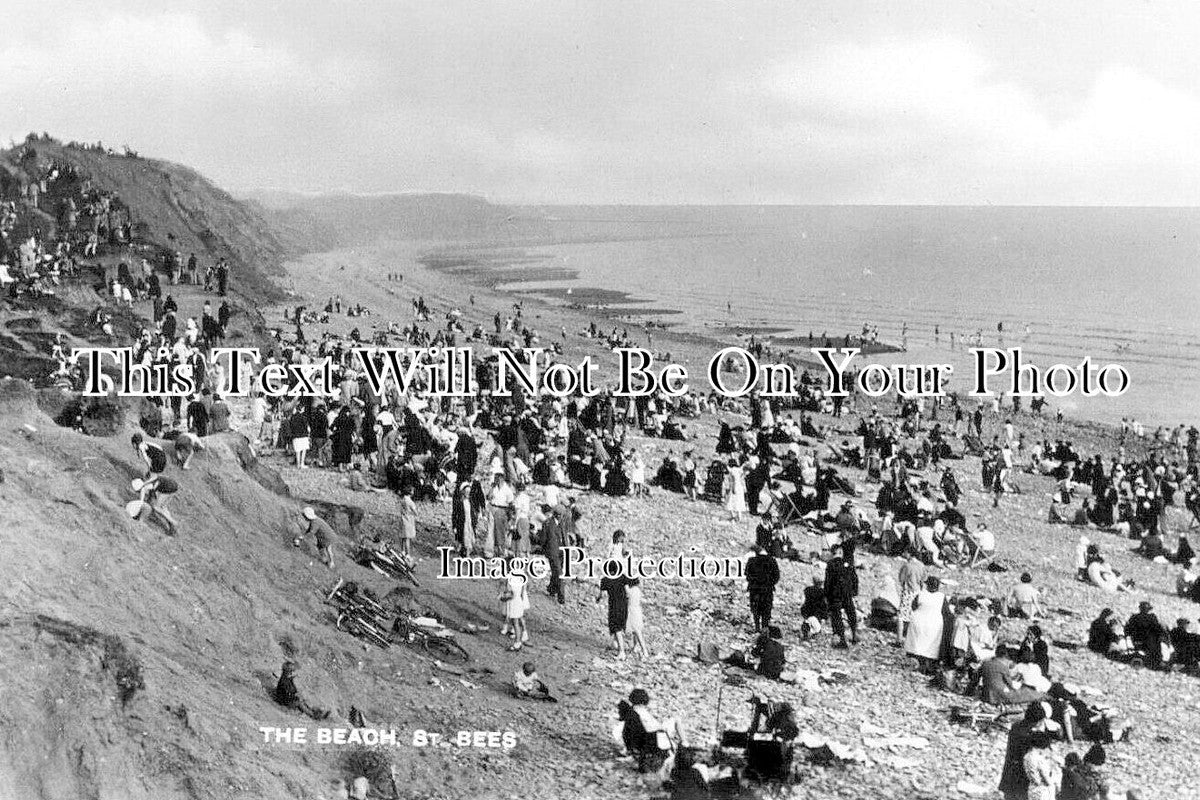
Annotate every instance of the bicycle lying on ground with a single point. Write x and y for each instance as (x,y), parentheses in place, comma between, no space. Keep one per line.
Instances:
(387,561)
(359,614)
(432,636)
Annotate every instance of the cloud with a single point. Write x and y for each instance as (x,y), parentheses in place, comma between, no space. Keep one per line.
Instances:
(939,123)
(643,105)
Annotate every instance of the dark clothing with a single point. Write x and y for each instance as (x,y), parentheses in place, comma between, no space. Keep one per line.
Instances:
(1036,652)
(1187,647)
(157,456)
(762,605)
(841,580)
(762,573)
(841,585)
(618,603)
(343,437)
(555,538)
(815,604)
(1100,636)
(1147,634)
(286,693)
(466,456)
(1014,783)
(164,485)
(197,414)
(771,656)
(1082,782)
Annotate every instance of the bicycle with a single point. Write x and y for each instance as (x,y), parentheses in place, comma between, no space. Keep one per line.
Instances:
(433,637)
(359,614)
(387,561)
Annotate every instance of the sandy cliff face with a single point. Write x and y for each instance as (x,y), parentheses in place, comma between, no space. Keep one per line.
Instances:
(137,665)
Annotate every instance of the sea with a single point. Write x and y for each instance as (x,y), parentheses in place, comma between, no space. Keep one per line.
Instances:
(1116,285)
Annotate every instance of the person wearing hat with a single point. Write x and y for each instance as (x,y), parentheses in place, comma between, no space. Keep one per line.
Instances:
(320,530)
(762,574)
(1147,634)
(287,694)
(841,587)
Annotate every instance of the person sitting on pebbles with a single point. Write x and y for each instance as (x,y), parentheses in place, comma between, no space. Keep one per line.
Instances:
(527,684)
(649,740)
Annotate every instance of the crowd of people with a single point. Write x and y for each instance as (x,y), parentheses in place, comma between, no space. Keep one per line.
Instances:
(508,471)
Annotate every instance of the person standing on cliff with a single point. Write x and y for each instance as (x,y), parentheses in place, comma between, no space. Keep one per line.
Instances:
(323,534)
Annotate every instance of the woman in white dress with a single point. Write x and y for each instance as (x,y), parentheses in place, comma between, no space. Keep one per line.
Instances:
(516,601)
(735,491)
(924,637)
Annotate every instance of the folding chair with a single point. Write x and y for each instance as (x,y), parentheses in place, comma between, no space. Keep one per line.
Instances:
(783,508)
(981,557)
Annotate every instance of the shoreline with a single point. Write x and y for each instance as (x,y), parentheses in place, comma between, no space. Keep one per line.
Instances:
(454,285)
(568,642)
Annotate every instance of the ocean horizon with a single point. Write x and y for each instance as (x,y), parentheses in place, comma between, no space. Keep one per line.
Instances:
(1118,285)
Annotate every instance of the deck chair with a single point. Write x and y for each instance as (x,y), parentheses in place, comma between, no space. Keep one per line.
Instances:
(981,558)
(783,508)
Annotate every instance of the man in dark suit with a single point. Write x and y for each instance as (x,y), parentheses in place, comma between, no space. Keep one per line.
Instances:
(841,585)
(762,573)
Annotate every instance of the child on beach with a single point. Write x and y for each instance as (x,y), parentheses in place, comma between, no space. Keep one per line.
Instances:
(637,475)
(528,684)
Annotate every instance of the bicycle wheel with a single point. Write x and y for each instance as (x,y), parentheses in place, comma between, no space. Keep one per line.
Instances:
(446,648)
(372,635)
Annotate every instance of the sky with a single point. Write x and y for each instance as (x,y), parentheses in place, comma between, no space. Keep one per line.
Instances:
(1076,102)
